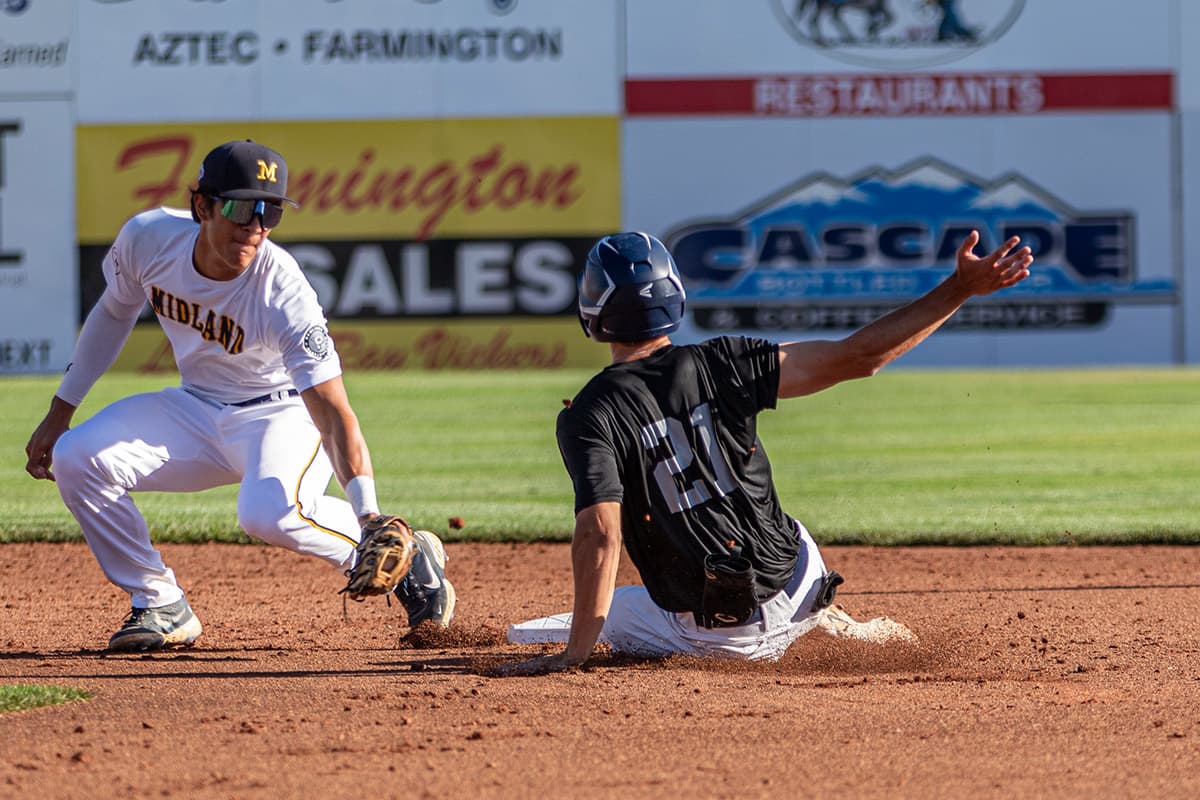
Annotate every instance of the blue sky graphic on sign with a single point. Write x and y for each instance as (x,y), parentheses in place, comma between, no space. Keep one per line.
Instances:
(887,236)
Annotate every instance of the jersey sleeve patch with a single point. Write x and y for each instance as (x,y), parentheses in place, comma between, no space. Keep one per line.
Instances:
(317,342)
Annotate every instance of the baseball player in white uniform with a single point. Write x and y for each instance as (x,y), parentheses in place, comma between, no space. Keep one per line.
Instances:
(261,401)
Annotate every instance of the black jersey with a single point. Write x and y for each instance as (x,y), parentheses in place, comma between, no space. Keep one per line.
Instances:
(673,438)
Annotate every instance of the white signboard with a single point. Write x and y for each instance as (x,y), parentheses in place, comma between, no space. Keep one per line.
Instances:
(810,229)
(1189,214)
(180,60)
(38,276)
(1189,177)
(37,48)
(814,164)
(719,37)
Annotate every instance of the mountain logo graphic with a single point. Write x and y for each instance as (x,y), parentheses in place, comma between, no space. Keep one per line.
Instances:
(890,235)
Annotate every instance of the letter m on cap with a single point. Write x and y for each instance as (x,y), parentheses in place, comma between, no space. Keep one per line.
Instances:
(266,172)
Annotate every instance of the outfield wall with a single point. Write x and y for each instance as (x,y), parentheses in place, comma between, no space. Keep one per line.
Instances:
(38,289)
(455,159)
(849,172)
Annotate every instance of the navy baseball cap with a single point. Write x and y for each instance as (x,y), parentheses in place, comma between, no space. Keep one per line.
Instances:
(244,170)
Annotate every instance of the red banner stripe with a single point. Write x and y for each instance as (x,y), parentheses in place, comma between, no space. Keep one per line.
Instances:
(711,96)
(922,94)
(1136,91)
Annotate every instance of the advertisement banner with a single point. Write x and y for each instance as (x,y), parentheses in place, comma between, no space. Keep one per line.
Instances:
(154,60)
(500,343)
(37,49)
(1188,190)
(399,179)
(38,294)
(361,279)
(901,95)
(762,37)
(861,142)
(1190,219)
(813,228)
(453,220)
(887,58)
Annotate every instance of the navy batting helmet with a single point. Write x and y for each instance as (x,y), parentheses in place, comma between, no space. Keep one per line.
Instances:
(630,289)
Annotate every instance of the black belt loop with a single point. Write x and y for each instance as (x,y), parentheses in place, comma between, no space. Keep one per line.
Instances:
(266,398)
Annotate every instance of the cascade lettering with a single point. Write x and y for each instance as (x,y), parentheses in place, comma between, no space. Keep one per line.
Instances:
(1097,247)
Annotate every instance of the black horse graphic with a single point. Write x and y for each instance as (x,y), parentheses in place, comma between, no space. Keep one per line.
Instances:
(879,16)
(951,26)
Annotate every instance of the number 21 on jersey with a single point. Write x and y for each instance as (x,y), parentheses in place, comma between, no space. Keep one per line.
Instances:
(668,473)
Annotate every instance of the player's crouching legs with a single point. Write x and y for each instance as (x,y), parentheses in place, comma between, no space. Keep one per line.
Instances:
(93,481)
(266,515)
(86,478)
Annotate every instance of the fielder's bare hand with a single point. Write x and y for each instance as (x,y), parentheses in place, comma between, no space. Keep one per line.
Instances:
(997,270)
(40,449)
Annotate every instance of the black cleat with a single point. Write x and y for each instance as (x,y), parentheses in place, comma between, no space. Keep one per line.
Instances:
(422,602)
(156,628)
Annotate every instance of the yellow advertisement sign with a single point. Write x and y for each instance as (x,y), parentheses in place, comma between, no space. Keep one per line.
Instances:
(375,179)
(479,343)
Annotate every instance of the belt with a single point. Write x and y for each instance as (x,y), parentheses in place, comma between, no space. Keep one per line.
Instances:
(283,394)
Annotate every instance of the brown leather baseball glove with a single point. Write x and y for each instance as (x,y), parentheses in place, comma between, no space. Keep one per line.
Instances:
(385,553)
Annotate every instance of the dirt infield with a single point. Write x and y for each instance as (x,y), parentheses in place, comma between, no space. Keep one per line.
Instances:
(1041,672)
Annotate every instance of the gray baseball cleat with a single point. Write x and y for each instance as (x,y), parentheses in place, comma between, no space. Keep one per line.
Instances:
(425,592)
(156,628)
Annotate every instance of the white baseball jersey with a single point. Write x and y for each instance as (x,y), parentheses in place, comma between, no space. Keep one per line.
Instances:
(261,332)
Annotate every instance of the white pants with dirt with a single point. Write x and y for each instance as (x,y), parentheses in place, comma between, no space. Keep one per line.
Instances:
(172,441)
(637,626)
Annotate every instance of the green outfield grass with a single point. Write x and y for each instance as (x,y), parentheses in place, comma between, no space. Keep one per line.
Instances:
(910,456)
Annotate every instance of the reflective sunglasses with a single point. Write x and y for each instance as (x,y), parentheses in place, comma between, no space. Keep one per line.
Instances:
(241,212)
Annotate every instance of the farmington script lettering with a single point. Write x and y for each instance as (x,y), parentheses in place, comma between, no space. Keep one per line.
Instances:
(490,179)
(436,349)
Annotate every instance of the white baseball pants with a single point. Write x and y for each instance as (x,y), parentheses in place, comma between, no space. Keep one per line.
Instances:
(172,441)
(637,626)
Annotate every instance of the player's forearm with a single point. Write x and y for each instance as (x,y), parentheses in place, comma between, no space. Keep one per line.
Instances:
(100,341)
(882,341)
(61,412)
(812,366)
(348,452)
(595,554)
(341,434)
